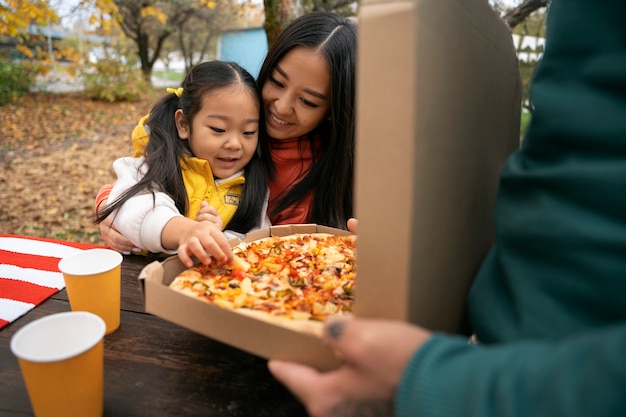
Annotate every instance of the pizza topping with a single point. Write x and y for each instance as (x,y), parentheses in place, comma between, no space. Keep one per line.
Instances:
(302,276)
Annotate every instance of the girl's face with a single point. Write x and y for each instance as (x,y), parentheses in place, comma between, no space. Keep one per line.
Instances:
(296,96)
(225,130)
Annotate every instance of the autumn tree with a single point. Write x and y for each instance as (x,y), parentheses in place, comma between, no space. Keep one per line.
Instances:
(148,23)
(17,15)
(196,38)
(17,77)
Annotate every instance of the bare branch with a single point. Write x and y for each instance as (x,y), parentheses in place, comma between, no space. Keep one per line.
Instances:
(517,15)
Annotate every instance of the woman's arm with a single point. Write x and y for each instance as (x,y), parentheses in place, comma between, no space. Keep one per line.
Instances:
(111,236)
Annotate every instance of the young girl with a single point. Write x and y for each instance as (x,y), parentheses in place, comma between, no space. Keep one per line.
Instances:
(307,84)
(203,139)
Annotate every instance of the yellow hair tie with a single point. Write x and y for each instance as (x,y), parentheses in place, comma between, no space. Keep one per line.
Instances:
(178,91)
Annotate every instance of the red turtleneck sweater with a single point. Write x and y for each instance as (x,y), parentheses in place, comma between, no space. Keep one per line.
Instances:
(292,160)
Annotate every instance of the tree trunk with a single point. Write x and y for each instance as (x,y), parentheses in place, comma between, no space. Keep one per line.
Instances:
(278,15)
(144,59)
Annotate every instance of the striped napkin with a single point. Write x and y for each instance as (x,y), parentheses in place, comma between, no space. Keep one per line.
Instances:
(29,272)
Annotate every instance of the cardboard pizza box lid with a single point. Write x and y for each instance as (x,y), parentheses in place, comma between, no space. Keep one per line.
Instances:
(438,112)
(262,338)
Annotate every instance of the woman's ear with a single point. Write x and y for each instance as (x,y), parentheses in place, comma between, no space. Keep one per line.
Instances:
(181,124)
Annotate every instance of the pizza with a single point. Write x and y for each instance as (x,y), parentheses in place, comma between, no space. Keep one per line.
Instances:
(300,277)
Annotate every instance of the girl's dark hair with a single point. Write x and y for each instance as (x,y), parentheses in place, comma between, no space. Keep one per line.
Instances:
(331,176)
(165,149)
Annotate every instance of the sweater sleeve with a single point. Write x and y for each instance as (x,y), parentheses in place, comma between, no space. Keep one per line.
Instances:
(583,375)
(103,195)
(548,302)
(141,218)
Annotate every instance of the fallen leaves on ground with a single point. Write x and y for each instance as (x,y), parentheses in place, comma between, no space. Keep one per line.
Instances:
(56,151)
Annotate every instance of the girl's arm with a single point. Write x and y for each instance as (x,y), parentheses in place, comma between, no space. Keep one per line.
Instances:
(141,218)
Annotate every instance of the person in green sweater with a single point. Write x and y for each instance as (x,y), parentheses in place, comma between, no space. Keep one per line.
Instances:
(548,305)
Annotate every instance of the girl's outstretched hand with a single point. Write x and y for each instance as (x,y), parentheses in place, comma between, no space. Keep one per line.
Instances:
(375,352)
(209,213)
(203,239)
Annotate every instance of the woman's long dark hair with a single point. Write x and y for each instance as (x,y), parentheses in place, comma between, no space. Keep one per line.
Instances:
(331,175)
(165,149)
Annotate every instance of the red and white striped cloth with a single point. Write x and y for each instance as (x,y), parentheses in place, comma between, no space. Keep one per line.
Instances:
(29,272)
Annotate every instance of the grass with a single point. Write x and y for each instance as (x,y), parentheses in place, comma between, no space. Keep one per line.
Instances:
(163,75)
(525,122)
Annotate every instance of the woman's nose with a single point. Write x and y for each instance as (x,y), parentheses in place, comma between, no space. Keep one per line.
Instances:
(283,105)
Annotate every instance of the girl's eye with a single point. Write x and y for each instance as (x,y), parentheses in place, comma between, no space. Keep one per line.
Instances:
(217,130)
(276,82)
(249,133)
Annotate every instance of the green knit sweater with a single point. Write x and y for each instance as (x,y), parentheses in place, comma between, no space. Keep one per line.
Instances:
(549,303)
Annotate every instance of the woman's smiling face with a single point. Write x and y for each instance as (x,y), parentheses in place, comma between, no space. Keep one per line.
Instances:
(296,96)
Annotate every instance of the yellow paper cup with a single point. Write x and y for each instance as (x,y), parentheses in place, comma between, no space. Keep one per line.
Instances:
(62,361)
(92,279)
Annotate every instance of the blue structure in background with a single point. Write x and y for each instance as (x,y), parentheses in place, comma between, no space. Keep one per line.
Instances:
(247,47)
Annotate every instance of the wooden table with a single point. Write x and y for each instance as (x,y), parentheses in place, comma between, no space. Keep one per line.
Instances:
(156,368)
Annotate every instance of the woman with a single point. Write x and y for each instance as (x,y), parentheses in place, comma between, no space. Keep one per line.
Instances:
(307,84)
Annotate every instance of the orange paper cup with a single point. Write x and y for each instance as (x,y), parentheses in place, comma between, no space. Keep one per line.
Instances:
(62,362)
(92,279)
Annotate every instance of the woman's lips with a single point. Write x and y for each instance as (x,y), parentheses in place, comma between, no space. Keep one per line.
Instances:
(275,121)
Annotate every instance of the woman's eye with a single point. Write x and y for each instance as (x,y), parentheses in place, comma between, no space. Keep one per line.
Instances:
(276,82)
(217,130)
(308,103)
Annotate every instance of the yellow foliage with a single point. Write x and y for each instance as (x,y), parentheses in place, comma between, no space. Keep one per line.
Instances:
(107,7)
(24,50)
(18,14)
(106,15)
(70,53)
(154,12)
(209,3)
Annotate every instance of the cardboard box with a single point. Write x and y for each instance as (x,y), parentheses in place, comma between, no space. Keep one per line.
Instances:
(265,339)
(438,112)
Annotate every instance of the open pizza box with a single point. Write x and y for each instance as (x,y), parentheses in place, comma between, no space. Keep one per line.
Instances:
(438,112)
(297,341)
